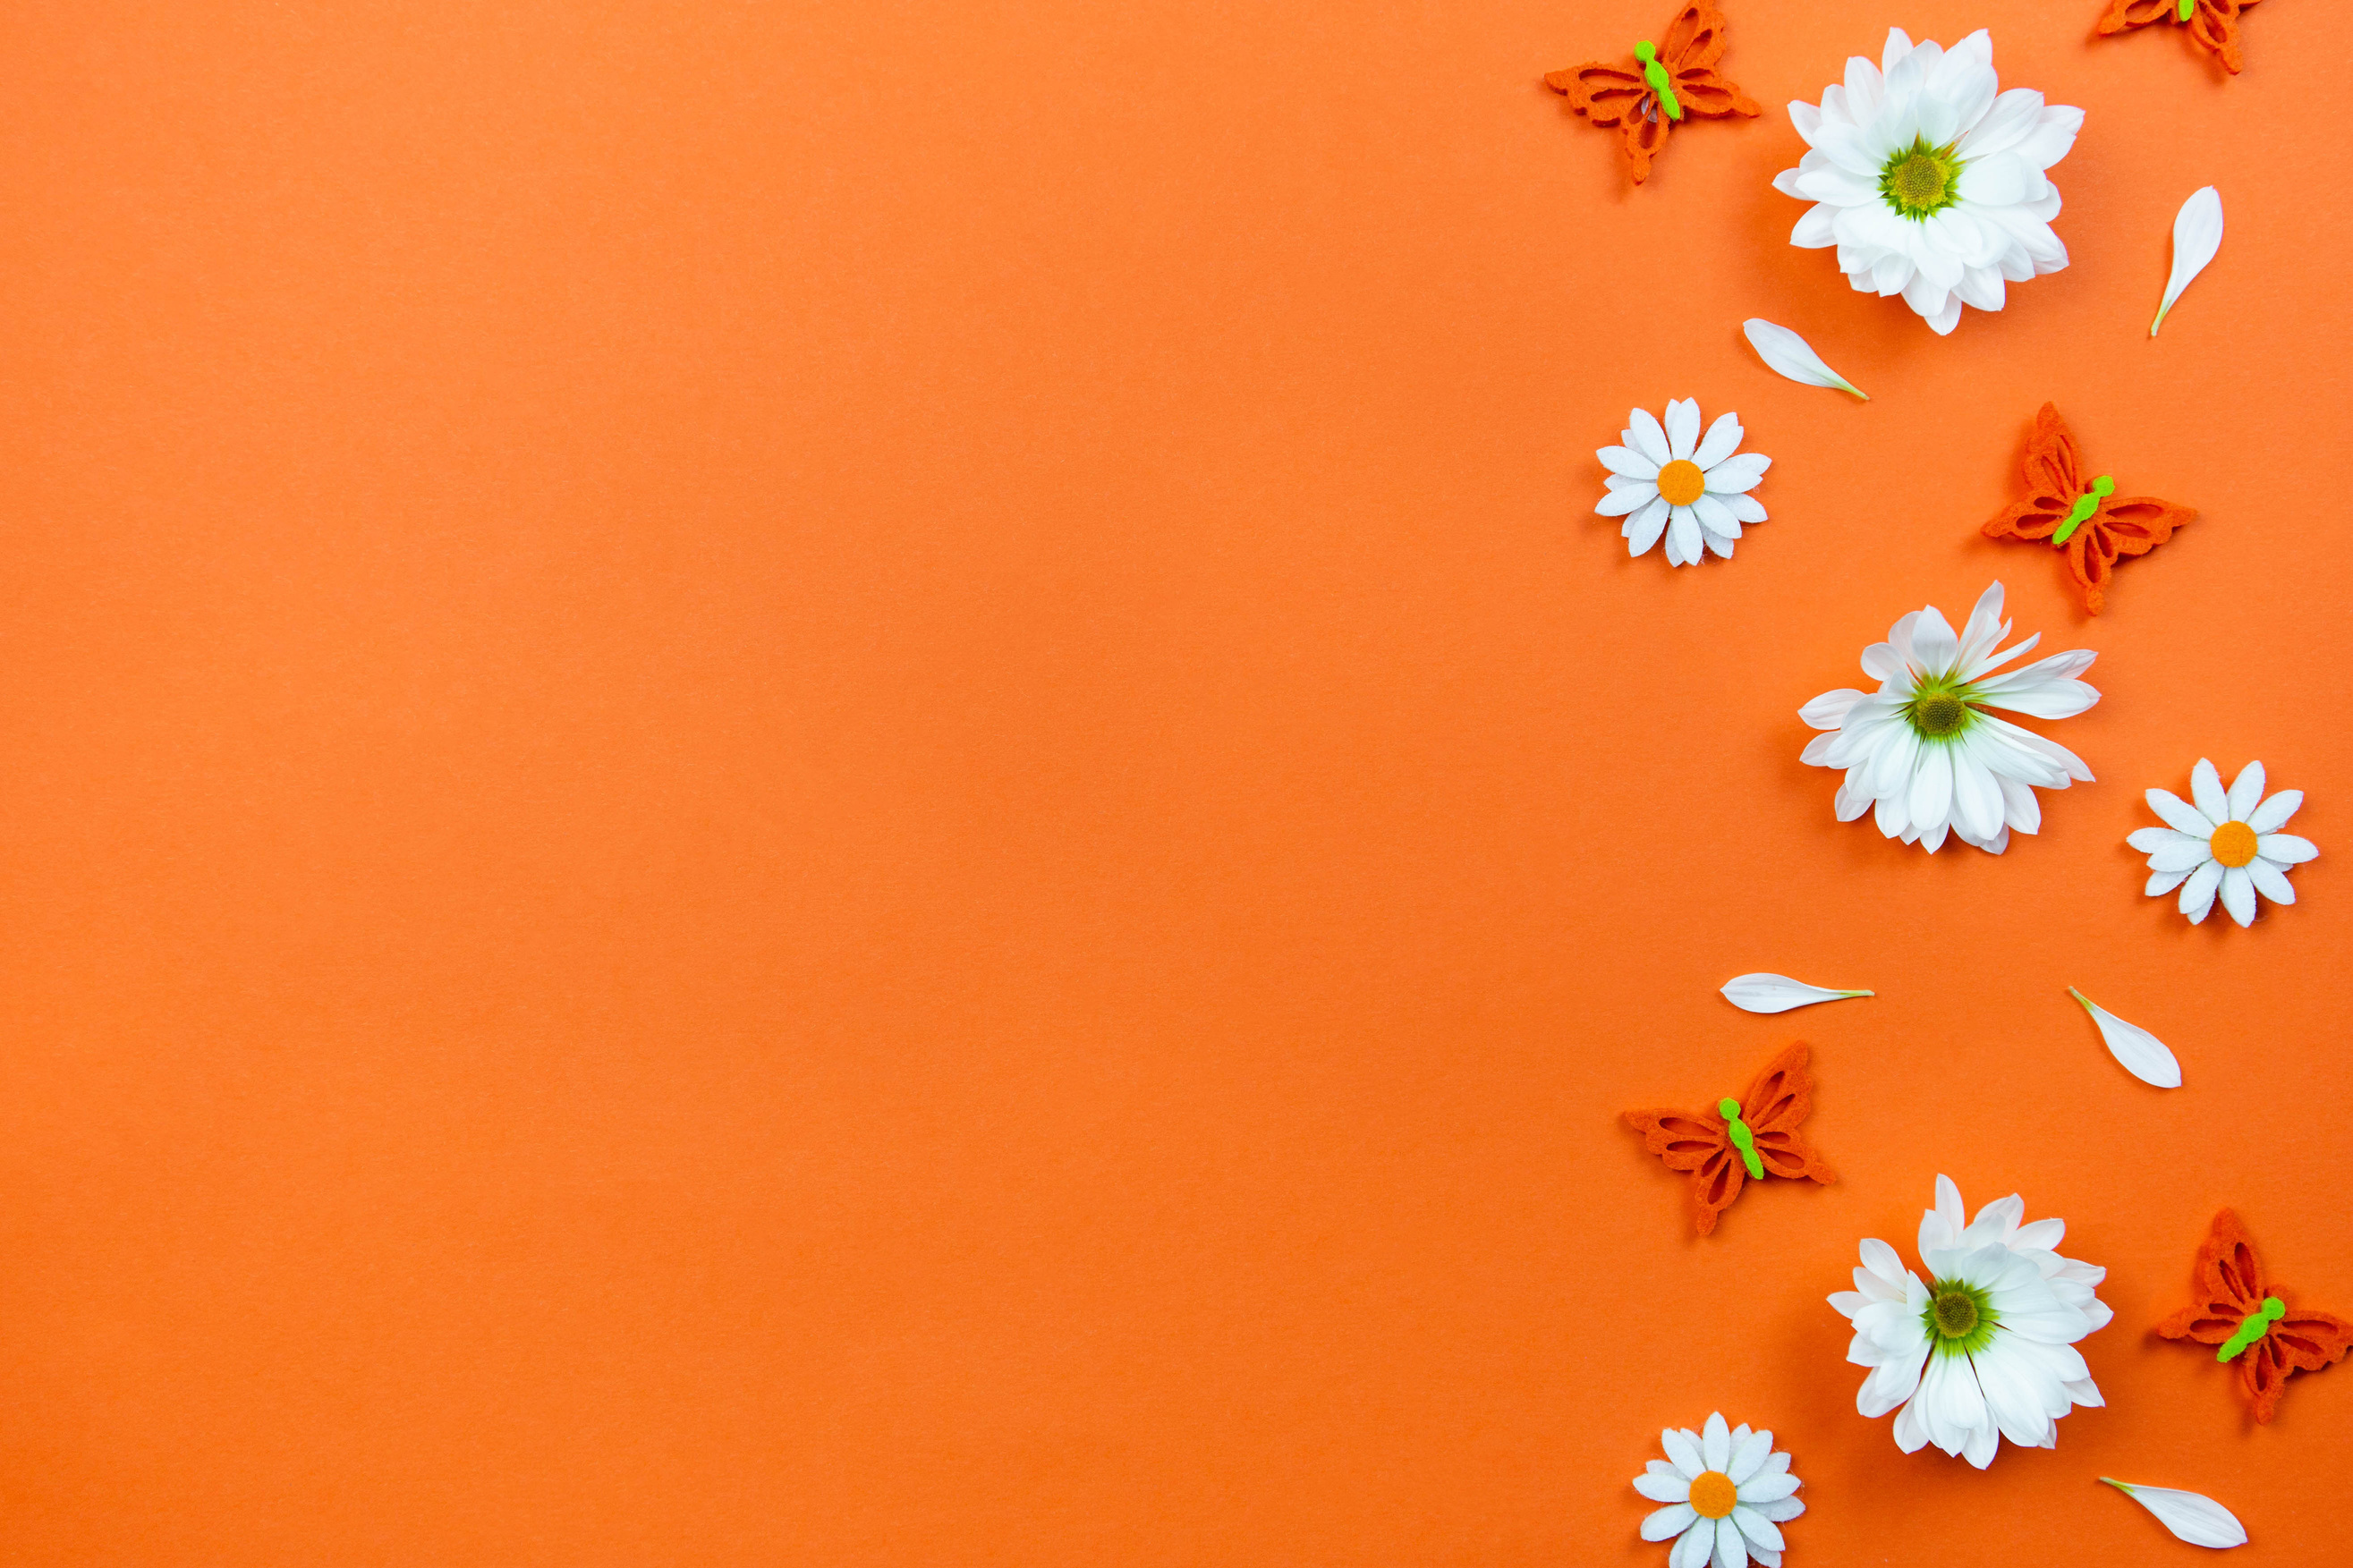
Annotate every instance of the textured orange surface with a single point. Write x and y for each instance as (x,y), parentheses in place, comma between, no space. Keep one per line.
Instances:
(857,784)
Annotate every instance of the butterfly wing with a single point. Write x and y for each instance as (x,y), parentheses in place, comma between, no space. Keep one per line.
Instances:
(2214,23)
(2053,473)
(1694,1141)
(1776,1104)
(2133,526)
(1616,96)
(2227,1280)
(1695,43)
(2301,1341)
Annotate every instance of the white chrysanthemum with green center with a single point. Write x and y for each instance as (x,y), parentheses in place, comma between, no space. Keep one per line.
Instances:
(1929,180)
(1986,1350)
(1925,755)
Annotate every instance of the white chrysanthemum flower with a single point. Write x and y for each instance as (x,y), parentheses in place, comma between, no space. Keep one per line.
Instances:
(1985,1351)
(2227,842)
(1727,1492)
(1675,481)
(1921,750)
(1929,180)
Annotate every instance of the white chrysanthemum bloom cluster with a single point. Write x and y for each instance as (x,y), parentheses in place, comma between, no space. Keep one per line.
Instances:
(2229,842)
(1923,754)
(1727,1490)
(1986,1349)
(1929,179)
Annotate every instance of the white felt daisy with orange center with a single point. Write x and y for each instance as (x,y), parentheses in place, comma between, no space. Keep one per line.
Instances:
(2229,843)
(1727,1492)
(1669,480)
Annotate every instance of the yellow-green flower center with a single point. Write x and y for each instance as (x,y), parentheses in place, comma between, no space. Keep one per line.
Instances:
(1920,179)
(1959,1317)
(1939,715)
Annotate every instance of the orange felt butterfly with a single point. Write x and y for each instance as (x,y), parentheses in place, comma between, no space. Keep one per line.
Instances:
(2090,526)
(1740,1140)
(2240,1312)
(2214,23)
(1662,87)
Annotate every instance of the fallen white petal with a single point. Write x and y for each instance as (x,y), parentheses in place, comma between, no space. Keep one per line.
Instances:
(2199,1520)
(2142,1054)
(2197,236)
(1786,352)
(1778,993)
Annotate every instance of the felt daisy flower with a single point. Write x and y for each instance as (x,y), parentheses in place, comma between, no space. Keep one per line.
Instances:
(2229,843)
(1728,1491)
(1923,754)
(1986,1349)
(1929,180)
(1670,480)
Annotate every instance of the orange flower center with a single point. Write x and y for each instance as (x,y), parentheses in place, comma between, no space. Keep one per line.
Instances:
(1713,1495)
(1681,483)
(2233,844)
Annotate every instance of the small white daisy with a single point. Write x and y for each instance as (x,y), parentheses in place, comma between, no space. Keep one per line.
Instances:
(2227,842)
(1727,1493)
(1672,480)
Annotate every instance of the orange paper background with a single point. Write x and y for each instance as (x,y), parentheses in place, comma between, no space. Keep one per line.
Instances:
(857,784)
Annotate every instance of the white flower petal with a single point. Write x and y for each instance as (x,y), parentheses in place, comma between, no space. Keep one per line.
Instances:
(2239,895)
(1696,1546)
(2271,881)
(1645,436)
(1666,1523)
(1627,461)
(1778,993)
(2198,893)
(2285,849)
(2206,789)
(1683,1452)
(1731,1548)
(2246,792)
(1723,440)
(2142,1054)
(1787,354)
(2199,1520)
(1683,429)
(2197,236)
(1715,1442)
(2273,815)
(2180,815)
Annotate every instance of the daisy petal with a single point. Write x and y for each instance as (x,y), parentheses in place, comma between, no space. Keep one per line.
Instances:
(2180,815)
(1666,1523)
(1778,993)
(2246,792)
(2239,895)
(2286,848)
(2198,893)
(2273,815)
(2199,1520)
(2139,1053)
(2206,789)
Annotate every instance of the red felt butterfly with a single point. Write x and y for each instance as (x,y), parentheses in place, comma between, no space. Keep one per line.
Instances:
(1628,98)
(2213,23)
(2233,1297)
(1705,1144)
(2098,526)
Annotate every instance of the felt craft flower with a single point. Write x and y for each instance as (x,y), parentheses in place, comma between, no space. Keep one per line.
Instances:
(2229,843)
(1986,1349)
(1673,481)
(1930,182)
(1727,1490)
(1923,754)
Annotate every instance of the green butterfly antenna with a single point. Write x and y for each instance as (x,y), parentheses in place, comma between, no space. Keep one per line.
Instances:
(2188,6)
(2085,505)
(1656,75)
(2253,1328)
(1742,1137)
